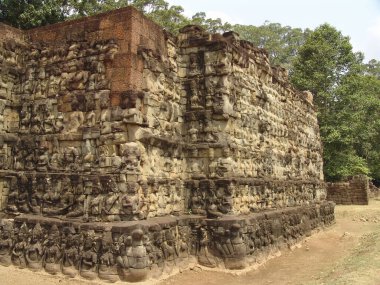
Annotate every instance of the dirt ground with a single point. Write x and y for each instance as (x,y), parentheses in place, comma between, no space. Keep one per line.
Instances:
(345,253)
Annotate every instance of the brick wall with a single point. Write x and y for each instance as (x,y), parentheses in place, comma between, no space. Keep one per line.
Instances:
(127,27)
(353,192)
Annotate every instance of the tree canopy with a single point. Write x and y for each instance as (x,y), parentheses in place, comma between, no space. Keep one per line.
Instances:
(347,95)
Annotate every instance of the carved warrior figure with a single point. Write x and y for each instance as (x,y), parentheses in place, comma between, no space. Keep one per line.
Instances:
(19,248)
(52,252)
(70,255)
(88,258)
(107,260)
(111,202)
(33,253)
(6,242)
(204,256)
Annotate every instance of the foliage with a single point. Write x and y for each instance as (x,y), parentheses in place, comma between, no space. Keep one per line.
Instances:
(282,42)
(373,68)
(209,24)
(27,14)
(348,100)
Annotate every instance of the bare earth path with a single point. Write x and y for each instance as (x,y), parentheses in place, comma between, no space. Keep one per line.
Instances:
(346,253)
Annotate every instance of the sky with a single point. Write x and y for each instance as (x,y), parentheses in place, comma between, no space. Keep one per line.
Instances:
(358,19)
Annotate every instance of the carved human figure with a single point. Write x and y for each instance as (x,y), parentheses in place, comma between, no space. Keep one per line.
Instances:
(49,121)
(71,157)
(88,155)
(78,208)
(105,116)
(25,116)
(51,198)
(225,165)
(6,243)
(195,101)
(59,123)
(175,199)
(36,121)
(74,121)
(130,203)
(182,248)
(213,198)
(198,203)
(88,258)
(169,249)
(19,248)
(22,197)
(162,201)
(90,119)
(111,203)
(51,258)
(107,260)
(70,252)
(205,258)
(96,202)
(67,200)
(131,157)
(34,252)
(193,132)
(42,159)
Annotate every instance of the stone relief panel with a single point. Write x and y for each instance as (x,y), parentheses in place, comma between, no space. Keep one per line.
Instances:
(214,159)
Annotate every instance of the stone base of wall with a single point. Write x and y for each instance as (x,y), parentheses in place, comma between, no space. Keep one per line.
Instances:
(139,250)
(353,192)
(374,192)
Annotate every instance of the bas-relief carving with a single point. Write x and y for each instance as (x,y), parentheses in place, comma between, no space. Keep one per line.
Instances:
(215,132)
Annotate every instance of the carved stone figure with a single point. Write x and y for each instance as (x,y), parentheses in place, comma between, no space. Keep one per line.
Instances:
(107,261)
(70,255)
(20,246)
(51,259)
(205,258)
(135,262)
(88,258)
(34,252)
(6,243)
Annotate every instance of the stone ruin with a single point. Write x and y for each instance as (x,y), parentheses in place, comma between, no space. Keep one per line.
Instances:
(128,153)
(356,191)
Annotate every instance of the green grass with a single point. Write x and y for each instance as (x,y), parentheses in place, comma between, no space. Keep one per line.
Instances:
(361,267)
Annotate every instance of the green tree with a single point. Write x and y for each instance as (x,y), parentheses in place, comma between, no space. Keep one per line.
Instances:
(322,62)
(27,14)
(281,42)
(347,101)
(373,68)
(360,110)
(209,24)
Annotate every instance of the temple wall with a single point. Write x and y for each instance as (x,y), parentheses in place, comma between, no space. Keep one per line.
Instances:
(354,192)
(252,139)
(12,43)
(133,152)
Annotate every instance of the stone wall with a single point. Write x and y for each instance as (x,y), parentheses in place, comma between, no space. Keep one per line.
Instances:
(374,191)
(12,45)
(123,143)
(354,192)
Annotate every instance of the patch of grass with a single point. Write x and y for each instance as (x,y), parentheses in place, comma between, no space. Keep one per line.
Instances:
(362,266)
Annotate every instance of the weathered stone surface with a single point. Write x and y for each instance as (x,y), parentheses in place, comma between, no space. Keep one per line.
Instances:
(353,192)
(127,153)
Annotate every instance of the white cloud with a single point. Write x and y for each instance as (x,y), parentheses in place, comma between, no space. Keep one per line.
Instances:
(223,16)
(373,40)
